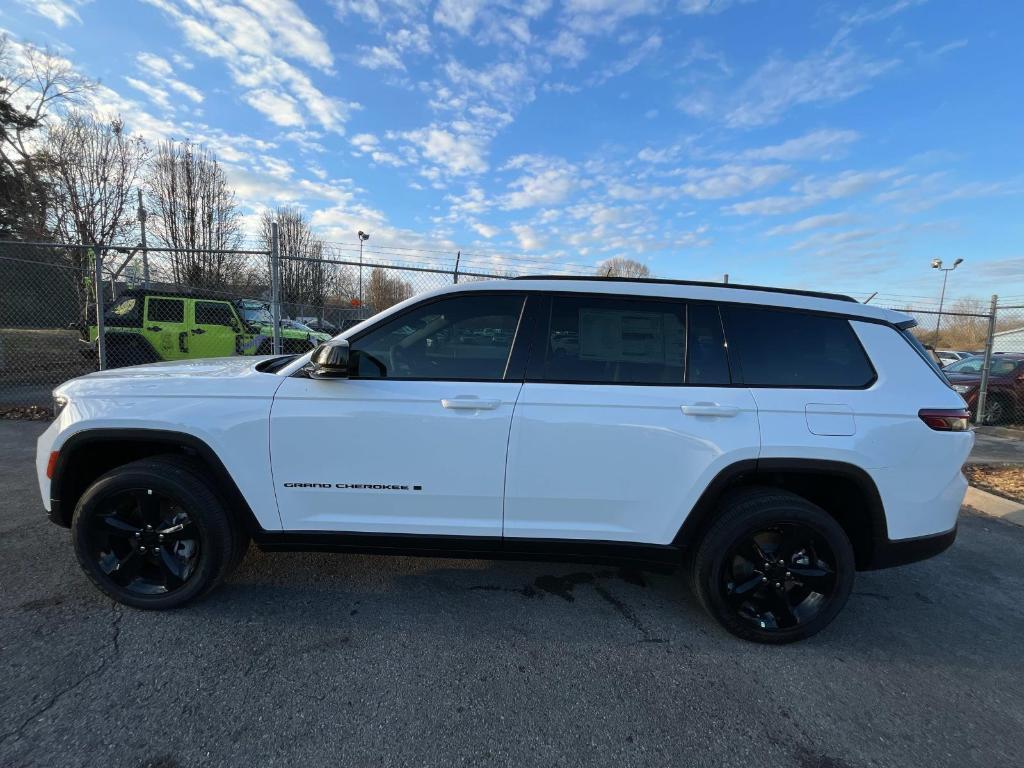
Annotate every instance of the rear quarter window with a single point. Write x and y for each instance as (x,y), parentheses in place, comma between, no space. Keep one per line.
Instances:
(783,348)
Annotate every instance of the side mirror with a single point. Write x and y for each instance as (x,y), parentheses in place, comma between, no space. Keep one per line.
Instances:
(330,360)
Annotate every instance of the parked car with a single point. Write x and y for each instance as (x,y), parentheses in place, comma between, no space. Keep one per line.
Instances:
(949,356)
(1005,398)
(769,442)
(320,325)
(295,337)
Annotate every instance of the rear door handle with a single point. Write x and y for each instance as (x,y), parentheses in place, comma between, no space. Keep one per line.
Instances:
(154,328)
(469,404)
(710,409)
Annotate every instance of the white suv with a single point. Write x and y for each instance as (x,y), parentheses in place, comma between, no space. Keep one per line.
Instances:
(773,441)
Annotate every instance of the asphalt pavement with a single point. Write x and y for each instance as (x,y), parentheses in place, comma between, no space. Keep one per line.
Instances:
(344,660)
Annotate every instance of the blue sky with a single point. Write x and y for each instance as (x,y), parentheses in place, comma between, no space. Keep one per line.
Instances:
(832,145)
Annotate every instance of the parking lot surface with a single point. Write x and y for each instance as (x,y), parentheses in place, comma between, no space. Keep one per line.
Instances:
(309,659)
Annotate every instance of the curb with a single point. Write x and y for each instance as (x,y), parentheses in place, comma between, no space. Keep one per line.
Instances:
(994,506)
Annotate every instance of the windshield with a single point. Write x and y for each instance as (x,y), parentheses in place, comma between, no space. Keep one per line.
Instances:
(255,313)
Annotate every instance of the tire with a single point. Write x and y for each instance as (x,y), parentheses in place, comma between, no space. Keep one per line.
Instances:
(153,535)
(773,568)
(997,411)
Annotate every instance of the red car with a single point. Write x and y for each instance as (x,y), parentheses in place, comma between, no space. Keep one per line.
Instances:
(1005,400)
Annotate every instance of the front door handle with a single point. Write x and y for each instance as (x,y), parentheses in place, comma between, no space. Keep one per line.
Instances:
(469,404)
(710,409)
(197,331)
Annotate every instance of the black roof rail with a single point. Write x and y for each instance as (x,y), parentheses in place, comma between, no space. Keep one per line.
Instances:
(699,283)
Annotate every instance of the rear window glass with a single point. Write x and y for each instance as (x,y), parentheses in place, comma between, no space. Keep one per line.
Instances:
(613,341)
(780,348)
(706,360)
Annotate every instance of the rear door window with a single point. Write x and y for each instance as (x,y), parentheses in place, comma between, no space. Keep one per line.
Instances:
(603,340)
(786,348)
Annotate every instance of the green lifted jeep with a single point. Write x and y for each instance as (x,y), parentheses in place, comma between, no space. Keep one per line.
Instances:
(148,326)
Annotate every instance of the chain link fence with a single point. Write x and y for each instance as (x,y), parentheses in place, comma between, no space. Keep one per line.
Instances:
(70,310)
(160,304)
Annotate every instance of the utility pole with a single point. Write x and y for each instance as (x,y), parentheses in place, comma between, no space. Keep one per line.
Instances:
(145,252)
(275,284)
(458,256)
(937,264)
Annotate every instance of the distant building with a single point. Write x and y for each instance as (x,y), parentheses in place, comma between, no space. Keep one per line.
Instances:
(1008,341)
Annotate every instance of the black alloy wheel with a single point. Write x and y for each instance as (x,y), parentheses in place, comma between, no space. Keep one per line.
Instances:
(779,577)
(773,567)
(153,533)
(145,542)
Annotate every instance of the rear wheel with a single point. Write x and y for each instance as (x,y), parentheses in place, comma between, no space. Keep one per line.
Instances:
(774,568)
(152,534)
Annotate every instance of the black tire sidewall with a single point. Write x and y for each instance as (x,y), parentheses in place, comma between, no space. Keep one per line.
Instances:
(215,535)
(720,540)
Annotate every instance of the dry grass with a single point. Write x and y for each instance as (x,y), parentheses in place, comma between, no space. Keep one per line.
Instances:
(1007,482)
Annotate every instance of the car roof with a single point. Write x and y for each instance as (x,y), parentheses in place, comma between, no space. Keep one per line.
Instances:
(696,291)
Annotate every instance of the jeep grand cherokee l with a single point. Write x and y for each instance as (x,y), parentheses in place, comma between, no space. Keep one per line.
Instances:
(770,442)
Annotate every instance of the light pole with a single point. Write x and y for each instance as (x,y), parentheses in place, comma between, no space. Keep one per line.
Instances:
(937,264)
(363,237)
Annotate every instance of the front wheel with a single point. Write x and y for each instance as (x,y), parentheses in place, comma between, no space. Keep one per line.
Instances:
(773,568)
(152,534)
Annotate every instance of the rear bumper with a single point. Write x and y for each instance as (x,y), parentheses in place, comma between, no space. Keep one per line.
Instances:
(890,553)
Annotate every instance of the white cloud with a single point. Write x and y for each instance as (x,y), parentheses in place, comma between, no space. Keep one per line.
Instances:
(529,239)
(779,85)
(379,57)
(369,144)
(484,230)
(277,106)
(547,182)
(60,12)
(817,145)
(458,15)
(569,47)
(254,41)
(813,222)
(161,69)
(731,180)
(591,17)
(155,94)
(648,47)
(811,191)
(696,7)
(455,153)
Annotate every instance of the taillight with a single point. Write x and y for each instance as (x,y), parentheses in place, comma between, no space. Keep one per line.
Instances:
(51,464)
(958,420)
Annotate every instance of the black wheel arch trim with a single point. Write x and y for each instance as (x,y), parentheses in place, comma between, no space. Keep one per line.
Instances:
(884,552)
(60,513)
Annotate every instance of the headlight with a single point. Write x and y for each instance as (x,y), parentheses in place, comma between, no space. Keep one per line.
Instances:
(962,389)
(59,401)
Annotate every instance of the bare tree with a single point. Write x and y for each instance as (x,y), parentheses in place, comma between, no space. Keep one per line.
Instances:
(383,290)
(622,267)
(38,85)
(194,211)
(92,167)
(306,279)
